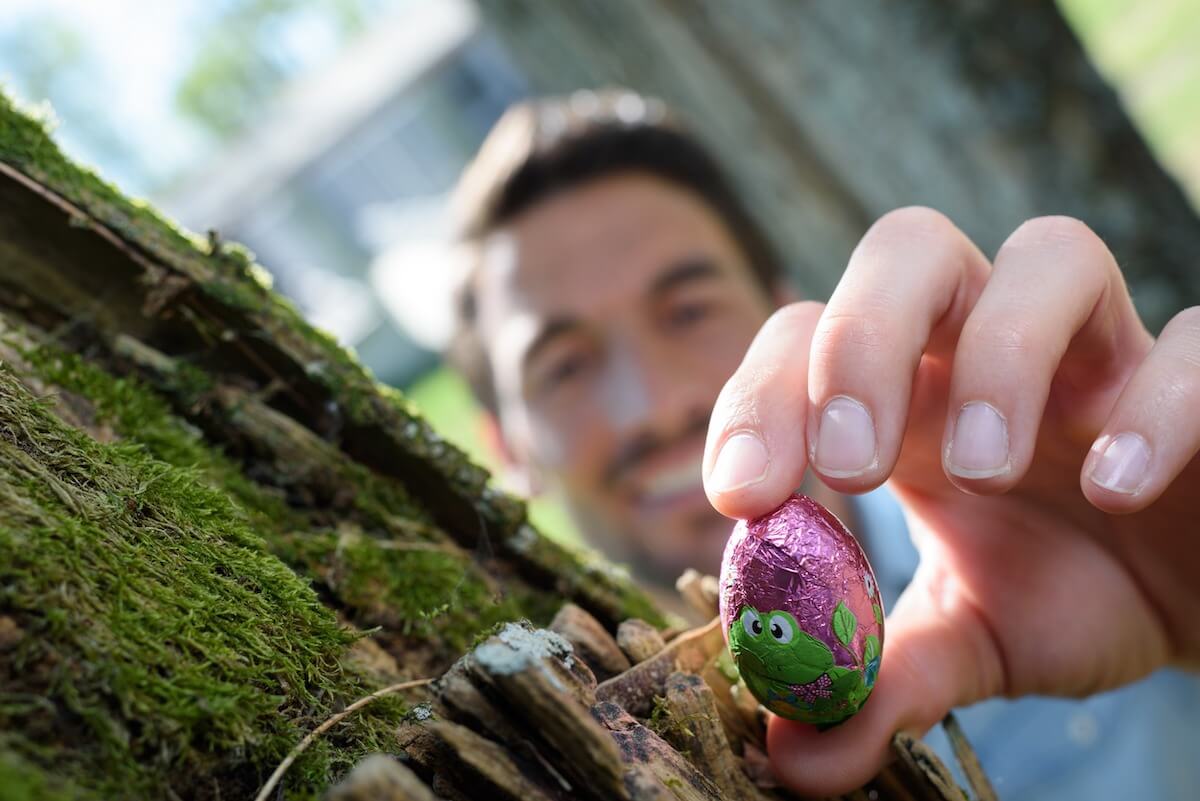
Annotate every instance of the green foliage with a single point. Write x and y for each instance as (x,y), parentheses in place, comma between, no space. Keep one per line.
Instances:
(51,56)
(242,61)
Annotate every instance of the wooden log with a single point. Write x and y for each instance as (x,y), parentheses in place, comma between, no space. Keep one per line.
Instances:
(490,770)
(461,700)
(640,746)
(639,640)
(593,644)
(642,785)
(635,688)
(924,773)
(117,270)
(739,727)
(521,707)
(542,684)
(700,591)
(694,727)
(380,778)
(968,760)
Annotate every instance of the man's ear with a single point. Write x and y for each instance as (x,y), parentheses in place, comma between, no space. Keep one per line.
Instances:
(518,477)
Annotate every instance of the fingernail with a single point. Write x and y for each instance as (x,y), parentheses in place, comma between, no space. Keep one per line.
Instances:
(845,444)
(741,462)
(1122,464)
(979,443)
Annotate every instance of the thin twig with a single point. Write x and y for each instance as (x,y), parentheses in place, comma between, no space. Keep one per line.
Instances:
(328,724)
(968,760)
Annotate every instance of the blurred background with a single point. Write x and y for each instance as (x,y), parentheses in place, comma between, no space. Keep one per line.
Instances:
(326,134)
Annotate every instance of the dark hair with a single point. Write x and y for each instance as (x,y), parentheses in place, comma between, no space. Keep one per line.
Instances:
(542,147)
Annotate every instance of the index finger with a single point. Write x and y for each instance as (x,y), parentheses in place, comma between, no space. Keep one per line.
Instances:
(755,453)
(838,379)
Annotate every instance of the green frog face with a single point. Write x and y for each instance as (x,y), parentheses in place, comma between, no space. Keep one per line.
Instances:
(772,646)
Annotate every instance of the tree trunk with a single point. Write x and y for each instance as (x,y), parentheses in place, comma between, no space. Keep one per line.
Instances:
(828,115)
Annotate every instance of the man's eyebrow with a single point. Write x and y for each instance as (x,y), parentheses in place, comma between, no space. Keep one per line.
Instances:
(697,268)
(549,331)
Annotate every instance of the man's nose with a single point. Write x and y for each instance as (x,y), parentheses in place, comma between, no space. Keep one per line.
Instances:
(644,390)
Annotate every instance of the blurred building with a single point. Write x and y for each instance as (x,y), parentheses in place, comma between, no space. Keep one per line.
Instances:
(340,190)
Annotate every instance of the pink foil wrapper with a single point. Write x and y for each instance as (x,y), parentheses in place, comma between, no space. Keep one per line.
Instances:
(801,559)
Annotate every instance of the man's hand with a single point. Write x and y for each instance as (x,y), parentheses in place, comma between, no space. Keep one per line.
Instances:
(1042,443)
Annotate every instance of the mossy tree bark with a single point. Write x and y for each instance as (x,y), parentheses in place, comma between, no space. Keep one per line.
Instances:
(218,534)
(203,498)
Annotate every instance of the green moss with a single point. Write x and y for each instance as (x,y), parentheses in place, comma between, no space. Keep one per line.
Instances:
(141,415)
(584,575)
(163,646)
(421,590)
(421,586)
(21,780)
(26,143)
(229,275)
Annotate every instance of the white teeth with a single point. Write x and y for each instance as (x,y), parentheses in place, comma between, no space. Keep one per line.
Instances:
(672,482)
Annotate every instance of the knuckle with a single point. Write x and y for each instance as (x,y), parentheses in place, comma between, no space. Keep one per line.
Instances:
(914,219)
(1182,332)
(908,224)
(842,331)
(1075,249)
(1056,231)
(1003,337)
(792,317)
(737,404)
(1186,321)
(912,240)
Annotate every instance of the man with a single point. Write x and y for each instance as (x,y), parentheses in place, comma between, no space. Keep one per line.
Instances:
(1042,445)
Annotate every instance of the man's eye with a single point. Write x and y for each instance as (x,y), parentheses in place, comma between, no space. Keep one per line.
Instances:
(564,369)
(685,314)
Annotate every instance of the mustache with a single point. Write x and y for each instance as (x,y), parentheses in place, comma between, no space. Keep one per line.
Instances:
(649,444)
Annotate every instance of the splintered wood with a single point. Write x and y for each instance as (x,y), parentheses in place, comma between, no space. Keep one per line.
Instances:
(522,717)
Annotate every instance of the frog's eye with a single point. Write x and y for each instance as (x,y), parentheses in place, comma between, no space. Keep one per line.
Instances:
(781,628)
(751,622)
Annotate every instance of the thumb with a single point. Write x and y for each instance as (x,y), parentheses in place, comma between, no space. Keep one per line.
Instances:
(938,653)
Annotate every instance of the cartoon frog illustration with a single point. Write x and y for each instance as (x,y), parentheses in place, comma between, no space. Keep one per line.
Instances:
(793,673)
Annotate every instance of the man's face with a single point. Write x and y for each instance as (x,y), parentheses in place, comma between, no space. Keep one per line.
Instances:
(612,315)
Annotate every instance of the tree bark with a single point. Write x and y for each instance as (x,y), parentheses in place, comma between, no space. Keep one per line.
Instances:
(829,115)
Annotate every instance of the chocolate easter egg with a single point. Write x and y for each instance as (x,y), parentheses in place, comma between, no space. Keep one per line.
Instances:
(802,613)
